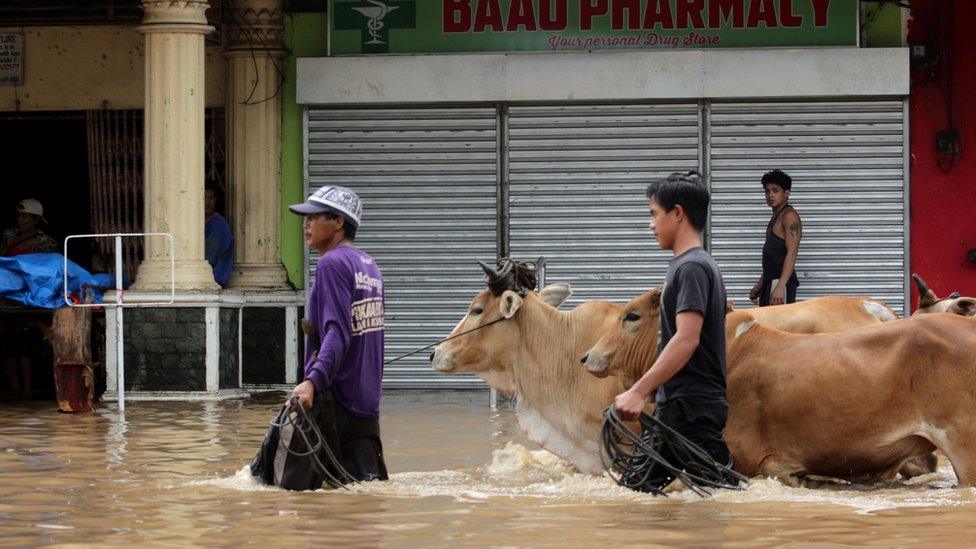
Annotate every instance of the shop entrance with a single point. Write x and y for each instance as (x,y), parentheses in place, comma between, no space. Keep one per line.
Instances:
(44,157)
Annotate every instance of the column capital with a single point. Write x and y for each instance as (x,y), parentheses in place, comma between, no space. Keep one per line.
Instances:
(184,16)
(255,27)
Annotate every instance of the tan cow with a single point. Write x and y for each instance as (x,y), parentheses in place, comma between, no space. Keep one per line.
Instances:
(534,353)
(814,316)
(928,302)
(817,315)
(857,404)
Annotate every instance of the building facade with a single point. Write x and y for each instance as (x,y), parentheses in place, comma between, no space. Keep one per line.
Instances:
(475,133)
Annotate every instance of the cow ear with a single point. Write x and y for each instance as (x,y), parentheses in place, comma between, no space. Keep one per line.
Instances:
(555,294)
(964,306)
(729,306)
(510,303)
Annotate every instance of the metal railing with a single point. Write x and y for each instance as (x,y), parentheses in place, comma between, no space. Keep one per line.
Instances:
(120,303)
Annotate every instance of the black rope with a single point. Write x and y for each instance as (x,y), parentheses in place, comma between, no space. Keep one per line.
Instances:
(297,417)
(512,274)
(632,461)
(436,343)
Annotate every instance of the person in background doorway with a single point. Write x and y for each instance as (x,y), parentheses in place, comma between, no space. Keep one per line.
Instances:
(28,237)
(21,338)
(778,283)
(218,236)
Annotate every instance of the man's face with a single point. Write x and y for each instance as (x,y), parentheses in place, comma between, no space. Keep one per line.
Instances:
(664,224)
(209,201)
(26,221)
(775,195)
(320,229)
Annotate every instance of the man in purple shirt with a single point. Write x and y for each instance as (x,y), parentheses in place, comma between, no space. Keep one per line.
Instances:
(344,343)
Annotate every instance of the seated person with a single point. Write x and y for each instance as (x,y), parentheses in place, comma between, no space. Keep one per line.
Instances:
(20,338)
(219,238)
(28,237)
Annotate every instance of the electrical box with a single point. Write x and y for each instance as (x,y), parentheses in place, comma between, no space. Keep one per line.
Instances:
(947,141)
(919,57)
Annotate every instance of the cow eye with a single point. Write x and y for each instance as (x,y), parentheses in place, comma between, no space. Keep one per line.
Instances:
(475,311)
(632,317)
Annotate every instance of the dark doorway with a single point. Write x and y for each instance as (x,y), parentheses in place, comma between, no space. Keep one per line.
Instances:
(45,157)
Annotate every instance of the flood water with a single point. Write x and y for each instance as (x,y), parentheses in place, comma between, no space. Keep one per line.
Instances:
(175,473)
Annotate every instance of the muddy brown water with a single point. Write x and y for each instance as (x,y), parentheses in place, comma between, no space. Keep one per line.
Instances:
(173,473)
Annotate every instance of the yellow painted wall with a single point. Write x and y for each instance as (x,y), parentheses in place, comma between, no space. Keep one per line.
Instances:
(78,68)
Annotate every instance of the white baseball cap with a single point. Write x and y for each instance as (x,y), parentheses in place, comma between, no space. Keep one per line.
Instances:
(31,206)
(335,200)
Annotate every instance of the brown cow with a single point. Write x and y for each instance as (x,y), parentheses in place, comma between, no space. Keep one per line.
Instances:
(928,302)
(817,315)
(814,316)
(857,404)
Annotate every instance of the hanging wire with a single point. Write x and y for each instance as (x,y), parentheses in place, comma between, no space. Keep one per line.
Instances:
(254,62)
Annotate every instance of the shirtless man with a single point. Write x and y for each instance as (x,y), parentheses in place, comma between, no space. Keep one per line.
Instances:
(778,283)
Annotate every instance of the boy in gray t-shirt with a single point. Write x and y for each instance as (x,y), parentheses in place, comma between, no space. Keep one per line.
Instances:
(689,373)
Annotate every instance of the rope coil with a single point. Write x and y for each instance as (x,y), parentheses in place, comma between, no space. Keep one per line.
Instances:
(298,418)
(632,461)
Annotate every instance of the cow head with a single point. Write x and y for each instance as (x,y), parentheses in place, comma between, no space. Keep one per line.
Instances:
(492,328)
(928,302)
(631,345)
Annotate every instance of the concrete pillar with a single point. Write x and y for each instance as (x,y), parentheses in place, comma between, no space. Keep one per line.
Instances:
(174,144)
(254,50)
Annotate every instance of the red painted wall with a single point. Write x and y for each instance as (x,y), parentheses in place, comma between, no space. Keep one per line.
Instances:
(943,205)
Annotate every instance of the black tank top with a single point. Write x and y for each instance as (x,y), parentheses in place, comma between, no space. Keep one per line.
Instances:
(774,252)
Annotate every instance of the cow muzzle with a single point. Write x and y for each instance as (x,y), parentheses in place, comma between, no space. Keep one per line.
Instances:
(595,363)
(441,361)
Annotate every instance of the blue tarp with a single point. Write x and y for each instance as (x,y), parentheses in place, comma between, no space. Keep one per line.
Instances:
(37,280)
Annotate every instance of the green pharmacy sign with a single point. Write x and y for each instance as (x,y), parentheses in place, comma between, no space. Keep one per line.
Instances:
(450,26)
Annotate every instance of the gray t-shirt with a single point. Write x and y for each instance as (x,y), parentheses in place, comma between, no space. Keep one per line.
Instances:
(694,283)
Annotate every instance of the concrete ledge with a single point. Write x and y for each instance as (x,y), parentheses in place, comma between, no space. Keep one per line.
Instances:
(136,396)
(604,76)
(268,299)
(182,299)
(226,298)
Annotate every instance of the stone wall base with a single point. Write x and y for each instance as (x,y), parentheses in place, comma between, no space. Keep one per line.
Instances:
(204,346)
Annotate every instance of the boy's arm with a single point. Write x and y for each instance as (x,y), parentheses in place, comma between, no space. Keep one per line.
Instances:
(672,359)
(792,231)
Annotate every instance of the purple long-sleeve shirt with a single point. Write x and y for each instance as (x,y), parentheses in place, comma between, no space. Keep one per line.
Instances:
(345,305)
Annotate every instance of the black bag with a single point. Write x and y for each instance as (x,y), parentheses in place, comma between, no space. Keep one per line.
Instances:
(300,449)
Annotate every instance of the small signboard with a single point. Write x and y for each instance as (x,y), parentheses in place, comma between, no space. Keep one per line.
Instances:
(11,59)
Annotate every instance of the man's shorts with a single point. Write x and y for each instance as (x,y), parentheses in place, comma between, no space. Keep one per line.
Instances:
(767,290)
(354,441)
(700,422)
(360,444)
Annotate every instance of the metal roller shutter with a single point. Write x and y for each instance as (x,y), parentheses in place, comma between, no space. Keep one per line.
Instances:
(577,179)
(428,180)
(847,164)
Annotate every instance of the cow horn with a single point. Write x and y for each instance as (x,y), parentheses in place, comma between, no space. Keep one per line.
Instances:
(491,273)
(926,297)
(923,288)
